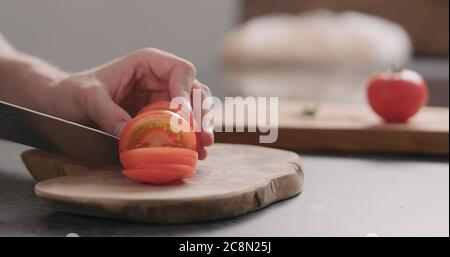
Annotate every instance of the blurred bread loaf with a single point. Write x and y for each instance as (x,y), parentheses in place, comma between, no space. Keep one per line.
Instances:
(318,37)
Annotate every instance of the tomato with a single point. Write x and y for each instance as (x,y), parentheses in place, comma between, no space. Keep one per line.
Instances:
(149,155)
(152,152)
(189,173)
(165,105)
(164,166)
(154,176)
(152,129)
(397,96)
(159,164)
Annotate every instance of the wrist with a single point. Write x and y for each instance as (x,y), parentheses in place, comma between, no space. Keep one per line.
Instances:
(29,82)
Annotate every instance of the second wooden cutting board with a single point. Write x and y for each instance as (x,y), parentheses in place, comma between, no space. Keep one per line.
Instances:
(350,128)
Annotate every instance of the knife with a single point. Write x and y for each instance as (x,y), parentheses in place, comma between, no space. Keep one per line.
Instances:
(56,135)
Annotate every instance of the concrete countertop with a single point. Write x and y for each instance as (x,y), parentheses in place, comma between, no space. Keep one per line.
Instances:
(343,196)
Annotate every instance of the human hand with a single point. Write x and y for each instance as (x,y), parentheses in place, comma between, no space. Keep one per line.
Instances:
(111,94)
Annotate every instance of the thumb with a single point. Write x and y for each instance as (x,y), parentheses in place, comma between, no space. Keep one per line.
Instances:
(108,115)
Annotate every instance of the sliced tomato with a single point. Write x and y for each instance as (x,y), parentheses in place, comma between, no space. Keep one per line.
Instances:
(189,173)
(169,155)
(186,171)
(152,129)
(152,152)
(154,176)
(163,166)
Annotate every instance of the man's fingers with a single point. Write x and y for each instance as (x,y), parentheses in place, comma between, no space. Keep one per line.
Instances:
(156,68)
(181,79)
(160,96)
(104,111)
(202,153)
(207,135)
(177,72)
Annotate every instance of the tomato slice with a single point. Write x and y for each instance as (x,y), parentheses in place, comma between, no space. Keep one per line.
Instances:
(189,173)
(152,129)
(150,155)
(162,166)
(186,171)
(154,176)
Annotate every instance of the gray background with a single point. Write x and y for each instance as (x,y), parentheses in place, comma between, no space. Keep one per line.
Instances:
(78,35)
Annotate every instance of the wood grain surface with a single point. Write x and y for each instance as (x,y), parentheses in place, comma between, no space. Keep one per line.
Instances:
(234,180)
(349,128)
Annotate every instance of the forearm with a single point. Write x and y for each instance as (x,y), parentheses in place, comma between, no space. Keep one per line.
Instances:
(26,80)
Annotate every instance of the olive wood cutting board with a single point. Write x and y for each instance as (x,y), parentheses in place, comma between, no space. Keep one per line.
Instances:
(349,128)
(233,180)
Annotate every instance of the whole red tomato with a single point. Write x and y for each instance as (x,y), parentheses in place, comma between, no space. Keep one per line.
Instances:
(397,96)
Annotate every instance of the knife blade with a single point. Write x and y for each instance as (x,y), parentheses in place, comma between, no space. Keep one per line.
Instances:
(56,135)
